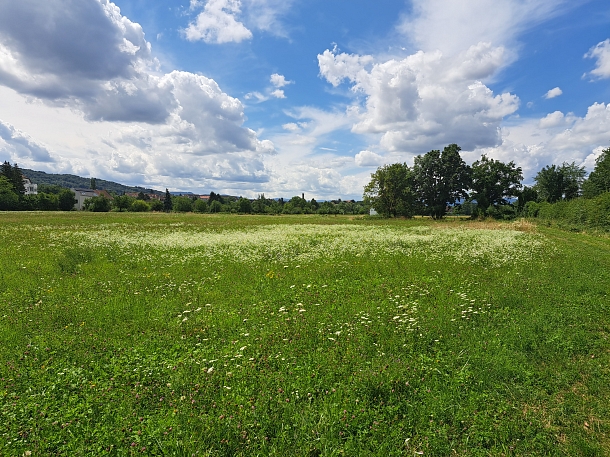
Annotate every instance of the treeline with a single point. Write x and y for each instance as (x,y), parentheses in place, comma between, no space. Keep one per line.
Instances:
(224,204)
(13,197)
(440,182)
(75,182)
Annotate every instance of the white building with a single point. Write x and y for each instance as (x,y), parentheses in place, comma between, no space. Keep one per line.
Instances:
(30,188)
(81,195)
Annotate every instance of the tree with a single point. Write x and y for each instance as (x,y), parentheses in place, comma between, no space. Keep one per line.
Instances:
(139,206)
(244,205)
(122,202)
(92,184)
(66,200)
(156,205)
(555,183)
(48,202)
(167,203)
(528,194)
(573,178)
(391,190)
(9,200)
(183,204)
(442,178)
(14,176)
(99,204)
(215,207)
(18,180)
(599,179)
(493,181)
(200,206)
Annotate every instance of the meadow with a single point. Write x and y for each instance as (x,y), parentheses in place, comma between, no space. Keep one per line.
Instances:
(225,335)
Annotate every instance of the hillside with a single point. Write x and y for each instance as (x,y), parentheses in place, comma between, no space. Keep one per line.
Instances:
(73,181)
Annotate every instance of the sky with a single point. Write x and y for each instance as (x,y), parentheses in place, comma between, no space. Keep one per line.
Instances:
(285,97)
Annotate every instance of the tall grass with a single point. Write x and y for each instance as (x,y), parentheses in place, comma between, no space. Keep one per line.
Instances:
(143,334)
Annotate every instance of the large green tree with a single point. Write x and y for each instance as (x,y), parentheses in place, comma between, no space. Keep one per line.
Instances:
(599,179)
(442,178)
(555,183)
(9,200)
(493,182)
(391,190)
(66,200)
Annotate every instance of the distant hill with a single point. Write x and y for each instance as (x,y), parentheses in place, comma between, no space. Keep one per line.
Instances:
(73,181)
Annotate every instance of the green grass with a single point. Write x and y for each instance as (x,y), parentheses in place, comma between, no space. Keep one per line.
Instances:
(155,334)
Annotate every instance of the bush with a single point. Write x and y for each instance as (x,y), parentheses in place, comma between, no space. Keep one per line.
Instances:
(183,204)
(98,204)
(156,205)
(201,206)
(139,206)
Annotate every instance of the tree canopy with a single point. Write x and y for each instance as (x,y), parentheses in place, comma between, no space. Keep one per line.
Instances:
(441,178)
(493,182)
(391,190)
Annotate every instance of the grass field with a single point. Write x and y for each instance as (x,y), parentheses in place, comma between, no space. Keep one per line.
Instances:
(166,334)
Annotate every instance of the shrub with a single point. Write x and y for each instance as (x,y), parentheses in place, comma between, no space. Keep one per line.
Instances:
(139,206)
(183,204)
(201,206)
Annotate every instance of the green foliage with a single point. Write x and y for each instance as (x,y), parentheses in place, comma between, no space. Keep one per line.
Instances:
(244,206)
(9,200)
(599,178)
(139,206)
(122,202)
(14,175)
(49,189)
(215,206)
(156,205)
(391,190)
(493,182)
(576,214)
(182,204)
(554,183)
(200,206)
(168,204)
(66,200)
(441,179)
(48,202)
(99,204)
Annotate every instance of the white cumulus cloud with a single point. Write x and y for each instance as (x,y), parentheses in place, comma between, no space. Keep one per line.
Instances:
(600,52)
(426,100)
(217,23)
(555,92)
(97,62)
(368,159)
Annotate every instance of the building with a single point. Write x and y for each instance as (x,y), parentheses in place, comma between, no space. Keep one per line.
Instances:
(83,194)
(30,188)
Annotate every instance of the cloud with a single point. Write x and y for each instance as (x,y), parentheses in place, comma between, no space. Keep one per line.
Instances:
(368,159)
(425,100)
(556,92)
(291,127)
(563,138)
(600,52)
(20,145)
(84,56)
(279,80)
(217,23)
(452,26)
(224,21)
(278,93)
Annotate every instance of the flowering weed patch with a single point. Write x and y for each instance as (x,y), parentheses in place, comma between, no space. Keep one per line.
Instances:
(143,334)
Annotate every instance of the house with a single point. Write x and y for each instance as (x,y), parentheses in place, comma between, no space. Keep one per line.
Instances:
(30,188)
(83,194)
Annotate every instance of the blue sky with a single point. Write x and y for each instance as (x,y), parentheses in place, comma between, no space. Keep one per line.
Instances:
(286,96)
